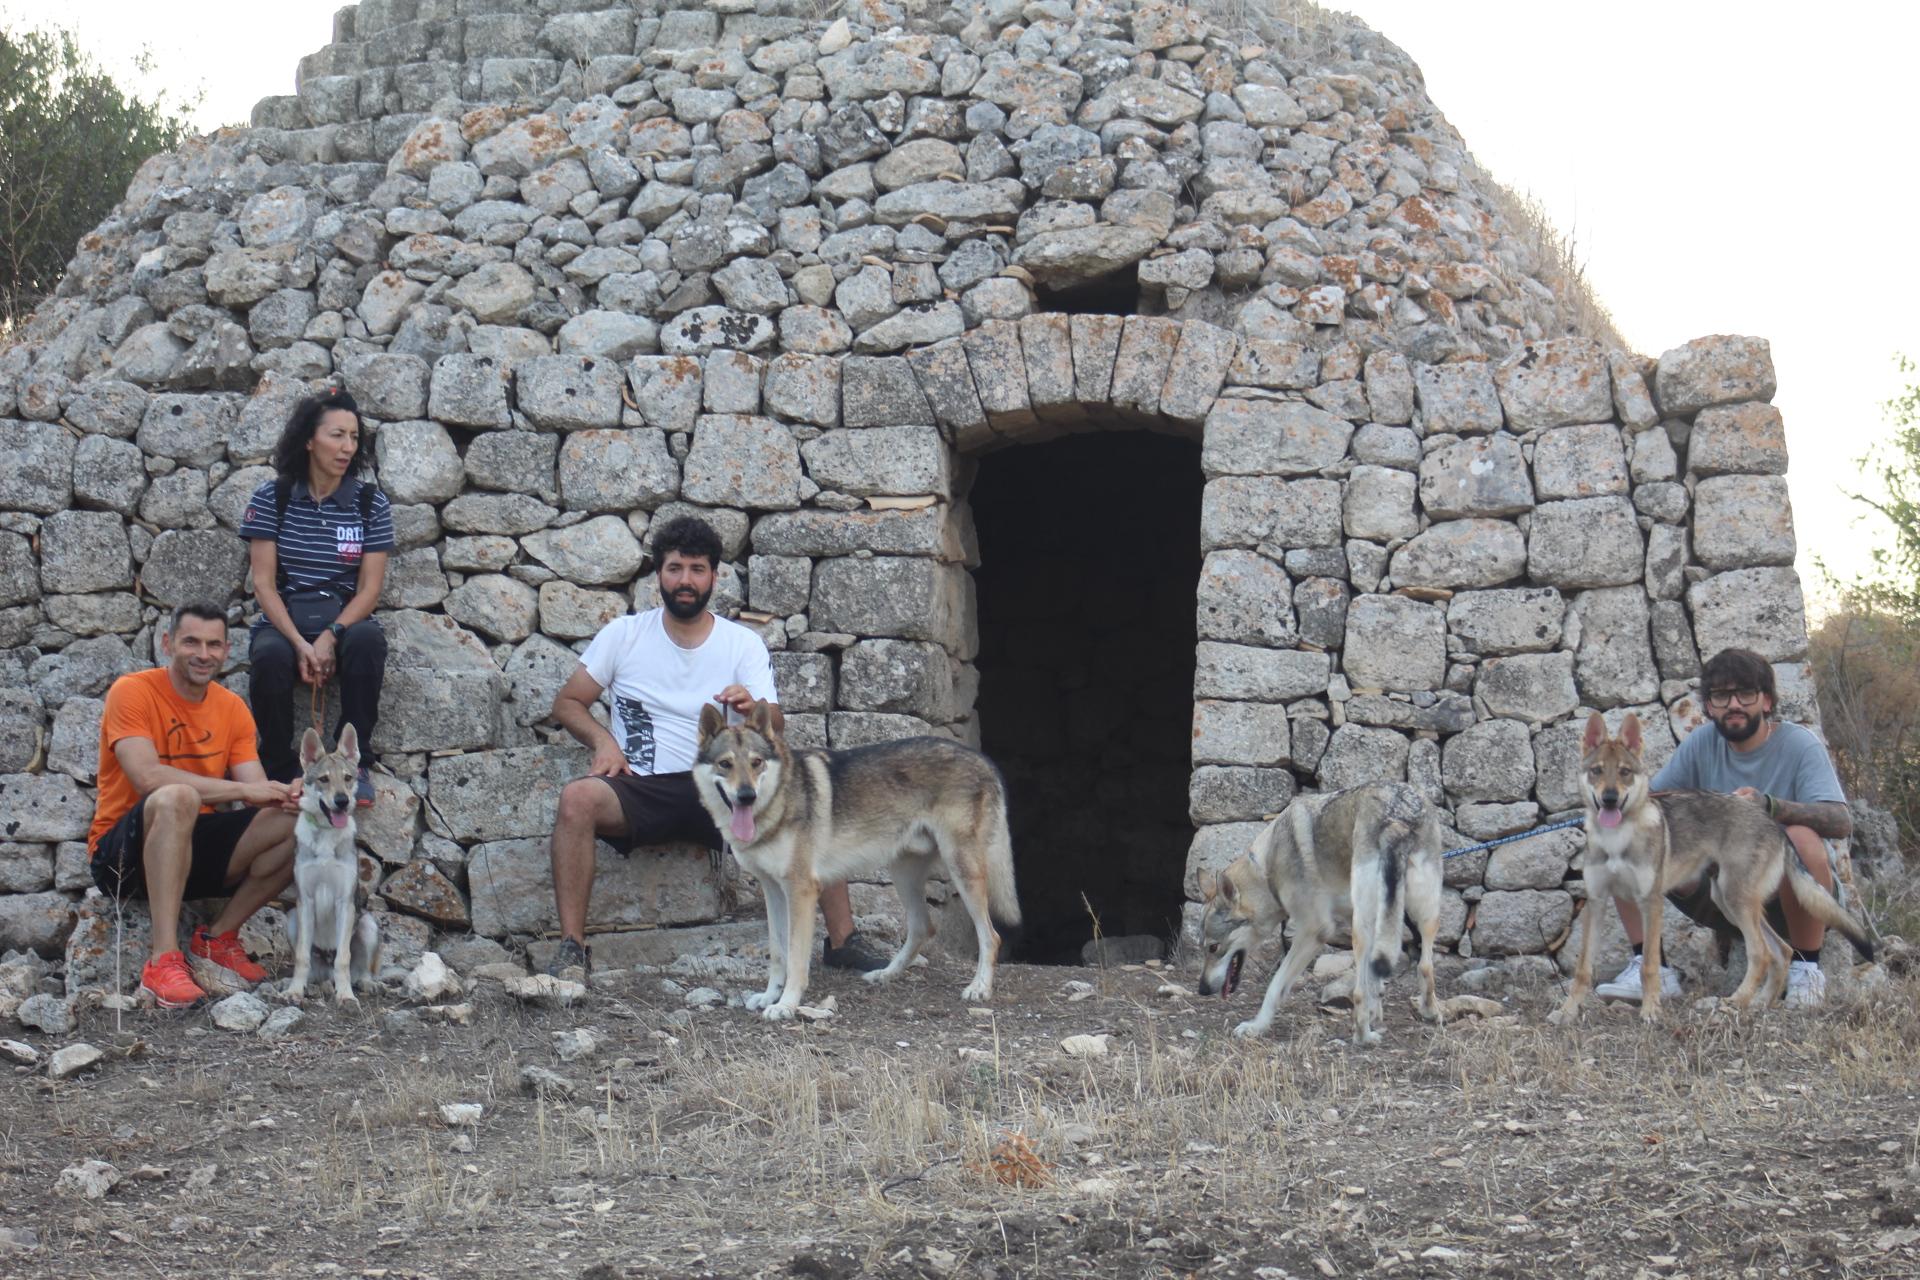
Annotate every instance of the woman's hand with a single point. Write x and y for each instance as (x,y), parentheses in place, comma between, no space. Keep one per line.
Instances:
(326,654)
(309,660)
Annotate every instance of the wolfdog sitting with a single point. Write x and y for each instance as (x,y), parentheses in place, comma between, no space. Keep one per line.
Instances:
(326,869)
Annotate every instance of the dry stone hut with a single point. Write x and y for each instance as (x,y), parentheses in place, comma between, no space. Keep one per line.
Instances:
(1178,413)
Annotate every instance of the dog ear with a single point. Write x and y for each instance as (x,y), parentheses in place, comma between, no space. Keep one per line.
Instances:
(1630,732)
(1209,885)
(349,745)
(310,747)
(1226,889)
(712,721)
(760,719)
(1596,733)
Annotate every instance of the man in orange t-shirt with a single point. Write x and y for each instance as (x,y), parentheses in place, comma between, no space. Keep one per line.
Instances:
(173,744)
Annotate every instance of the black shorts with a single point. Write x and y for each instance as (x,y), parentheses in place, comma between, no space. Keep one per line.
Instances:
(120,872)
(661,808)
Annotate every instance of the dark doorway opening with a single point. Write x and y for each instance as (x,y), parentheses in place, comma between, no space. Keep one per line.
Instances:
(1089,560)
(1114,294)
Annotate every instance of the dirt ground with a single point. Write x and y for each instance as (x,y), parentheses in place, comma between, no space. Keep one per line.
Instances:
(911,1136)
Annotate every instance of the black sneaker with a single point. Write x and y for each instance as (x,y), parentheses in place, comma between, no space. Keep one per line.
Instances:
(363,789)
(571,955)
(855,953)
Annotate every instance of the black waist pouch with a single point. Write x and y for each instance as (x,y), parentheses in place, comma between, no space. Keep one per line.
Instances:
(313,611)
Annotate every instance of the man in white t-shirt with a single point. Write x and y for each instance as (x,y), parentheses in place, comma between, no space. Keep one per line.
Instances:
(659,669)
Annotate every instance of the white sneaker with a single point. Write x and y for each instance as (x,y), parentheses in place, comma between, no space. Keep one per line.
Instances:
(1806,986)
(1627,986)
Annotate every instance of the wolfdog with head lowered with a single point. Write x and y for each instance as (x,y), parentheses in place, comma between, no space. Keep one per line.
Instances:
(799,819)
(1355,855)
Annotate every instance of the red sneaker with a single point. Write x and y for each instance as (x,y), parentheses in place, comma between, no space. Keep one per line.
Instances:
(225,950)
(171,982)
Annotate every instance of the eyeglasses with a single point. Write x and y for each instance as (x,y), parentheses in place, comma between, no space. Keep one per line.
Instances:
(1718,699)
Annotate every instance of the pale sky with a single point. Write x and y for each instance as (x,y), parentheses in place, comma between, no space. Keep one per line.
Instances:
(1722,168)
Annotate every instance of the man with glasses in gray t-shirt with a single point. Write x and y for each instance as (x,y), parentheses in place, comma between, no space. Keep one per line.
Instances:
(1781,766)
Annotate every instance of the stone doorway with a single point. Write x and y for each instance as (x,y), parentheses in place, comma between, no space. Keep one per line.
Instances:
(1085,592)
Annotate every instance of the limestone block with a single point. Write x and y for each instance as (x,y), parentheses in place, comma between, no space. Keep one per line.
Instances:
(1485,821)
(23,730)
(1479,476)
(1237,793)
(25,868)
(1585,542)
(781,585)
(570,393)
(1747,439)
(901,676)
(1198,369)
(903,460)
(1579,462)
(1532,687)
(1247,673)
(84,668)
(1538,862)
(1359,753)
(1461,553)
(190,429)
(37,922)
(1096,345)
(1516,922)
(1460,399)
(19,575)
(999,374)
(1271,437)
(511,882)
(386,386)
(881,391)
(110,407)
(1240,733)
(1046,344)
(1251,511)
(73,741)
(496,606)
(538,668)
(704,329)
(1390,389)
(730,382)
(1758,609)
(1740,521)
(194,564)
(38,475)
(594,552)
(422,889)
(418,462)
(1516,620)
(1554,383)
(43,808)
(496,293)
(574,613)
(1632,402)
(945,377)
(895,596)
(1449,712)
(1493,760)
(390,296)
(1245,598)
(469,391)
(501,795)
(107,473)
(1712,371)
(1395,643)
(805,682)
(802,388)
(667,389)
(847,729)
(1378,504)
(414,580)
(741,461)
(1673,651)
(389,826)
(84,551)
(929,531)
(445,678)
(1213,848)
(1614,661)
(617,470)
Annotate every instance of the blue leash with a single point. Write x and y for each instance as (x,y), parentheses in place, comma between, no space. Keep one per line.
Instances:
(1524,835)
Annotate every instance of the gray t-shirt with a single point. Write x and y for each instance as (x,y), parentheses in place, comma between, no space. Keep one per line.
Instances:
(1791,765)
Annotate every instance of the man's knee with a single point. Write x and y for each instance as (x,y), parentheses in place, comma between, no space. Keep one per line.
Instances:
(1812,848)
(583,802)
(175,802)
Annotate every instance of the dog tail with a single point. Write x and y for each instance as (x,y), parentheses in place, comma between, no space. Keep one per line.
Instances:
(1813,896)
(1386,906)
(1002,898)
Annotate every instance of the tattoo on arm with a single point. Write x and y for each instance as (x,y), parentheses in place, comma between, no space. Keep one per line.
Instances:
(1829,819)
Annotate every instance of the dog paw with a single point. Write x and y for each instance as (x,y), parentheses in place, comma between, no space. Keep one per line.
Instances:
(759,1000)
(1368,1039)
(778,1012)
(977,991)
(1249,1030)
(878,976)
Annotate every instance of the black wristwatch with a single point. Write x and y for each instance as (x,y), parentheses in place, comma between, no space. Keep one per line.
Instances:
(337,630)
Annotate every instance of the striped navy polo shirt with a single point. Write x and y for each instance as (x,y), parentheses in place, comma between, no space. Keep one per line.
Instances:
(320,543)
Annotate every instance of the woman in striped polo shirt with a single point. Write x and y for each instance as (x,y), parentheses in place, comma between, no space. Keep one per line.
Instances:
(320,539)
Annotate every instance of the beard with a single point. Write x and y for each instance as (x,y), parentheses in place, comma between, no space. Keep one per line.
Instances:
(1746,730)
(685,604)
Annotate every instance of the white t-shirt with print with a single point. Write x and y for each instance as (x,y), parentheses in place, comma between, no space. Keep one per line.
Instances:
(659,688)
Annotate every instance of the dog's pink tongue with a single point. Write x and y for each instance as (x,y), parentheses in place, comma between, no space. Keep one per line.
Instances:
(1609,817)
(742,824)
(338,817)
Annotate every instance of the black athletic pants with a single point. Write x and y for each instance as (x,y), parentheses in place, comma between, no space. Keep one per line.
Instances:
(362,667)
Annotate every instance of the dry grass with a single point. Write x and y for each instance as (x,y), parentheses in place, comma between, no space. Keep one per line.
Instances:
(1559,264)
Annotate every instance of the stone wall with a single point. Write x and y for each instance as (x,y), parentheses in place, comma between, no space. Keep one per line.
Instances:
(586,270)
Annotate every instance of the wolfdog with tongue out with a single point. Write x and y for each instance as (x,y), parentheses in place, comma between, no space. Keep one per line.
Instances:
(327,870)
(797,820)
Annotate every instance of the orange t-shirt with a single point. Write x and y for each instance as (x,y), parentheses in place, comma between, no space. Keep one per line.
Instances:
(207,737)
